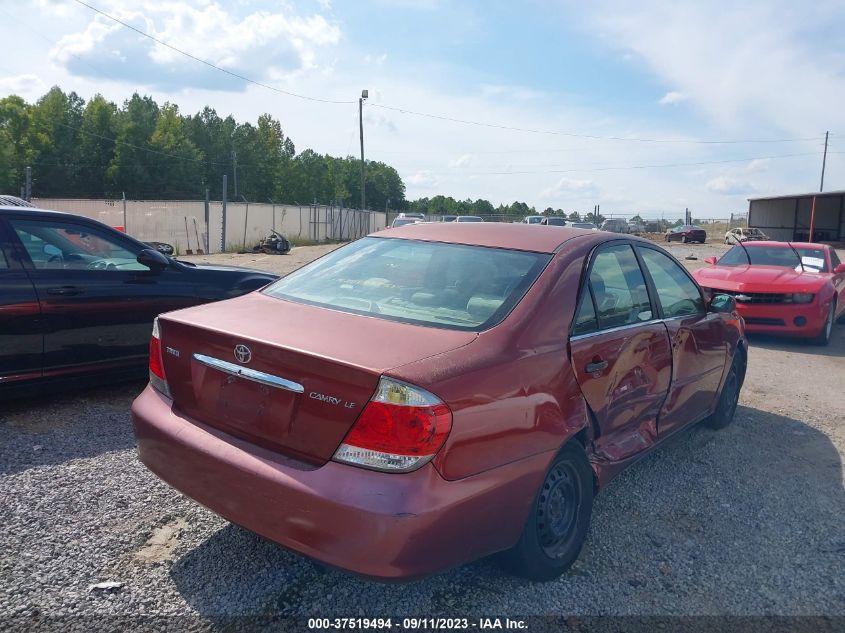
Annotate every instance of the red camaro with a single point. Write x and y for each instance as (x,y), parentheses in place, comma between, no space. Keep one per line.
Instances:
(436,393)
(795,289)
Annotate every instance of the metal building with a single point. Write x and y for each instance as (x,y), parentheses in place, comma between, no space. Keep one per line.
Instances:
(789,218)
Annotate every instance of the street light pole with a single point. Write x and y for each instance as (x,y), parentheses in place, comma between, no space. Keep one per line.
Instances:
(364,95)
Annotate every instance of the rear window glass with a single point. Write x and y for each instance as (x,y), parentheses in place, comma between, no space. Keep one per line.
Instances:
(812,259)
(441,285)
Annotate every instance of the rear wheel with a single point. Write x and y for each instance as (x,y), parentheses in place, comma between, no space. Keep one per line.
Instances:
(684,239)
(560,516)
(728,399)
(824,336)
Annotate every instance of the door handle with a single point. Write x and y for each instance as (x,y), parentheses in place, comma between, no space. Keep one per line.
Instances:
(65,291)
(596,366)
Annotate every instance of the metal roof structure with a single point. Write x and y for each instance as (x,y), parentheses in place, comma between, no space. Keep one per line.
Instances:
(816,194)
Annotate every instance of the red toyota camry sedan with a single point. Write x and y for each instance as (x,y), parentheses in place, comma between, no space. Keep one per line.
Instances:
(436,393)
(783,288)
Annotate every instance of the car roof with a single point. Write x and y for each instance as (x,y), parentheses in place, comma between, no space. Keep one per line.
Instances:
(762,243)
(497,235)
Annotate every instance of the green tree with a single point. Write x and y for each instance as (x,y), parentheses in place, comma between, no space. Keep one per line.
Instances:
(14,125)
(53,143)
(96,145)
(178,172)
(574,217)
(132,170)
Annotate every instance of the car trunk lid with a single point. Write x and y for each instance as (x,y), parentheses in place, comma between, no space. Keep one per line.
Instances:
(302,376)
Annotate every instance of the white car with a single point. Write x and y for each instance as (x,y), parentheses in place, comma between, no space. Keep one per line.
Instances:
(735,236)
(468,218)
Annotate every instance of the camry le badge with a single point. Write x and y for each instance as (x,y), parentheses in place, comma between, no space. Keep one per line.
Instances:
(243,354)
(742,298)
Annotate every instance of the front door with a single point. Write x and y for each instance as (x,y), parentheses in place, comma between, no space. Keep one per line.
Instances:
(699,350)
(97,302)
(21,339)
(620,353)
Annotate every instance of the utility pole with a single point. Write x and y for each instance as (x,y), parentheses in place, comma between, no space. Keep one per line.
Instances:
(235,173)
(28,196)
(364,95)
(223,232)
(207,207)
(824,160)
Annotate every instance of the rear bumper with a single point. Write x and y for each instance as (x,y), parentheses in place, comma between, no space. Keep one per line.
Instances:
(389,526)
(804,320)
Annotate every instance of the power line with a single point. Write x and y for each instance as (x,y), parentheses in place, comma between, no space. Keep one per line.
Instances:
(634,167)
(586,136)
(205,62)
(430,115)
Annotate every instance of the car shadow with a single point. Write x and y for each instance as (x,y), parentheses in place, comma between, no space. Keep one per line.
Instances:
(55,428)
(712,515)
(835,348)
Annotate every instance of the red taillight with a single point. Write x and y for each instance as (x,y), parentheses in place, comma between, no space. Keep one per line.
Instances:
(400,429)
(158,379)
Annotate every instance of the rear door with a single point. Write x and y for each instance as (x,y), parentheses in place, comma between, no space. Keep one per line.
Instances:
(21,339)
(97,302)
(699,349)
(620,353)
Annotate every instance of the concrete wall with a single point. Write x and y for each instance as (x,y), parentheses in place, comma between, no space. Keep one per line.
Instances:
(181,222)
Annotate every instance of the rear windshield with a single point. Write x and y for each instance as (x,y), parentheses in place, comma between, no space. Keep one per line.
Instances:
(428,283)
(812,259)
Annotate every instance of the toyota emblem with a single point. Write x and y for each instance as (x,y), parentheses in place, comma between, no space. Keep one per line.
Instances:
(243,354)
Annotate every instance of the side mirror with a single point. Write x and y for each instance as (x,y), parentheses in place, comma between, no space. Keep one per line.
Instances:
(839,269)
(153,260)
(710,260)
(723,303)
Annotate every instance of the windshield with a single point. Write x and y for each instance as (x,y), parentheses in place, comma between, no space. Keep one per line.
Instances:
(812,259)
(469,218)
(427,283)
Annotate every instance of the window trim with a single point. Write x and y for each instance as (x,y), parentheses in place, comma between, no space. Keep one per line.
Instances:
(585,279)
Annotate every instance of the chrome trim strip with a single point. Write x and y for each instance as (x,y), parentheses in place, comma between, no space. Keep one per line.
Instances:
(250,374)
(615,329)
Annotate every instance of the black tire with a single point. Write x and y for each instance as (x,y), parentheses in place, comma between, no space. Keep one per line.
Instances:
(559,519)
(824,336)
(728,399)
(667,239)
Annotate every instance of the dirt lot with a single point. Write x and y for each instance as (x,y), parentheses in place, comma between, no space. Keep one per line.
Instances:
(748,520)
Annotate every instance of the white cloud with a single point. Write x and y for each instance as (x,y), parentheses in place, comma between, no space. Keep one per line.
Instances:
(570,189)
(729,186)
(671,98)
(27,85)
(765,62)
(285,44)
(423,179)
(462,161)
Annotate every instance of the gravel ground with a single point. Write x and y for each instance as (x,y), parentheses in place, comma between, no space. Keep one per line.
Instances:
(744,521)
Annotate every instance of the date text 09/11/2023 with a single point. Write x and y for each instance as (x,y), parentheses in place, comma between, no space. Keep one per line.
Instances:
(416,624)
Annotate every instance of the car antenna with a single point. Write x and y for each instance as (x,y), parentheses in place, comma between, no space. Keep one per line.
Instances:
(800,261)
(747,254)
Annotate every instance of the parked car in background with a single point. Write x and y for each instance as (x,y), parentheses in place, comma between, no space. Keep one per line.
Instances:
(554,220)
(468,218)
(532,219)
(162,247)
(636,227)
(615,225)
(745,235)
(686,233)
(403,221)
(414,214)
(77,298)
(14,201)
(584,225)
(791,289)
(448,218)
(496,378)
